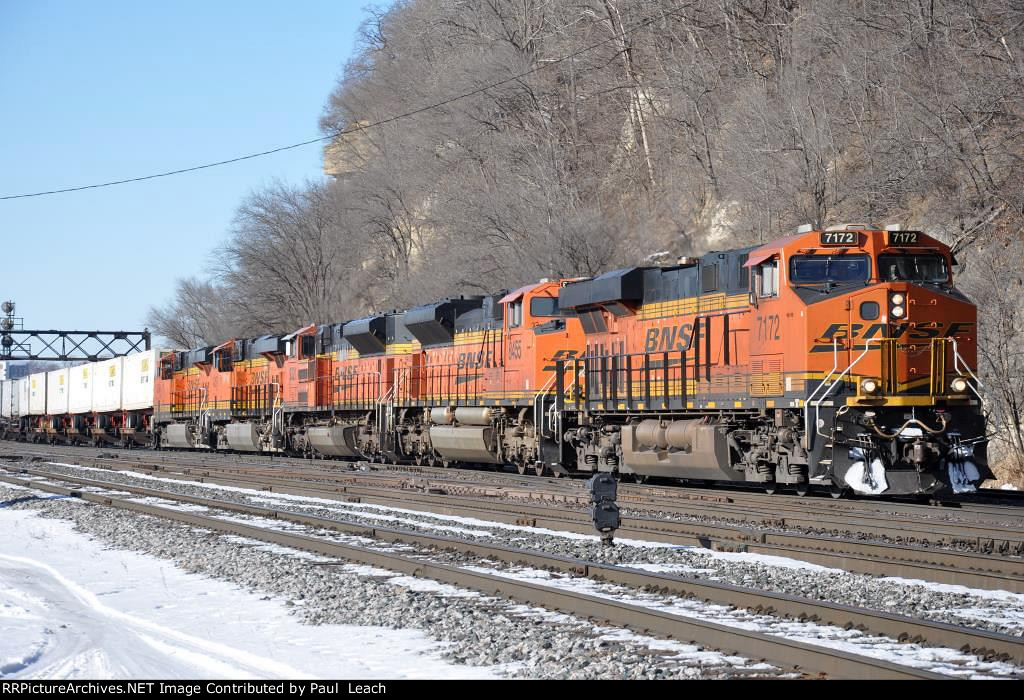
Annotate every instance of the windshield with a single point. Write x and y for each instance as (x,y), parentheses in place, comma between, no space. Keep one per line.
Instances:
(912,267)
(804,269)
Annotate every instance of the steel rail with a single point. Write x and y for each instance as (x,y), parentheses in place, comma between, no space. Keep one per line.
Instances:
(941,566)
(900,627)
(788,654)
(667,497)
(917,527)
(983,539)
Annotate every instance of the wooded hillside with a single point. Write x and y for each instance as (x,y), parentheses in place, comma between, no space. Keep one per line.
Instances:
(638,131)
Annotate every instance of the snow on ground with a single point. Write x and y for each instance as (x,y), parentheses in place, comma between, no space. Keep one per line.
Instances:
(71,609)
(936,659)
(391,513)
(483,528)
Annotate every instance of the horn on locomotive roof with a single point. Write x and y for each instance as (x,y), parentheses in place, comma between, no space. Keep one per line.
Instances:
(852,227)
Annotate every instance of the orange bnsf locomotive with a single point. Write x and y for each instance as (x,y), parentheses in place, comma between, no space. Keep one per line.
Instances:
(843,358)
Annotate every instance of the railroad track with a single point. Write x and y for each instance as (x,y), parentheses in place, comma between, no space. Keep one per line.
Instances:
(971,569)
(965,509)
(787,654)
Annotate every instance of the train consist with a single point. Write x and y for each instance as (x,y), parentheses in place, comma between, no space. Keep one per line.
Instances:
(843,357)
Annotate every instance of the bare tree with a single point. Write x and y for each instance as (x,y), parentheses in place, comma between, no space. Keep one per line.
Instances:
(996,283)
(288,261)
(194,317)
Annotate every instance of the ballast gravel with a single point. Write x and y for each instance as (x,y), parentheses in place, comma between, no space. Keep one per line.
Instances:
(1004,614)
(476,630)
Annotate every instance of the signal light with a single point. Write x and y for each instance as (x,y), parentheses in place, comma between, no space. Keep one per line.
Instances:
(897,299)
(897,312)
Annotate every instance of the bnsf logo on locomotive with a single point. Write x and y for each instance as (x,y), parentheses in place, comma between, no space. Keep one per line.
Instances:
(669,338)
(476,359)
(907,330)
(259,378)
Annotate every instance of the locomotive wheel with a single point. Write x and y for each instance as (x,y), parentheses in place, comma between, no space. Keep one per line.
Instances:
(539,468)
(419,460)
(770,487)
(802,489)
(836,492)
(521,466)
(641,478)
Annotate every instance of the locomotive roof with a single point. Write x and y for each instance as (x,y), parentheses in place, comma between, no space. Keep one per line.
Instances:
(512,296)
(765,251)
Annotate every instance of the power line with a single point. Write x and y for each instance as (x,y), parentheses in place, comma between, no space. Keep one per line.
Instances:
(358,127)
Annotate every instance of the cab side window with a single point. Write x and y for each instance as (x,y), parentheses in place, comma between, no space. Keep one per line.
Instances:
(515,314)
(223,361)
(308,346)
(768,278)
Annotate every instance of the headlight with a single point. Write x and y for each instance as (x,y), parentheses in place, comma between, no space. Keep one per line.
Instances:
(869,386)
(958,385)
(897,298)
(896,312)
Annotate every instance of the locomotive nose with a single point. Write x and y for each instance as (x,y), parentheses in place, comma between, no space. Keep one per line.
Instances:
(926,323)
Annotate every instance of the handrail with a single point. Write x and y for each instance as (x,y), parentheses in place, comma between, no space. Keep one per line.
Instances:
(204,409)
(385,404)
(438,382)
(336,388)
(810,399)
(277,410)
(538,412)
(957,361)
(817,406)
(554,416)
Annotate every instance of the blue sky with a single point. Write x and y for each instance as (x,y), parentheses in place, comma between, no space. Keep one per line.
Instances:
(97,91)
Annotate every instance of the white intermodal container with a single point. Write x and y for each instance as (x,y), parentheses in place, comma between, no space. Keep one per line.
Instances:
(7,390)
(57,392)
(37,394)
(80,386)
(21,397)
(139,376)
(106,385)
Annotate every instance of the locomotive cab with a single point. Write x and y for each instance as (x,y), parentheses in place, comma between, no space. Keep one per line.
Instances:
(538,332)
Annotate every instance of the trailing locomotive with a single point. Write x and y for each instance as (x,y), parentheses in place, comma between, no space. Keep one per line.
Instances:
(843,358)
